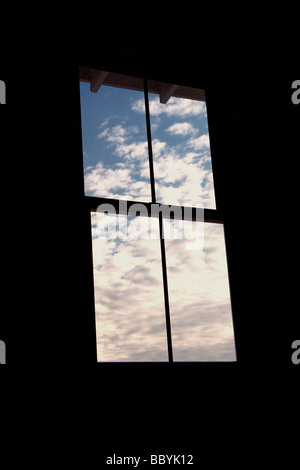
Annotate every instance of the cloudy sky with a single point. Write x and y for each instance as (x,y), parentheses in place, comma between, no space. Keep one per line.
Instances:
(130,316)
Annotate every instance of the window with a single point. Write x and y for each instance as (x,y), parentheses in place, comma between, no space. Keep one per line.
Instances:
(160,273)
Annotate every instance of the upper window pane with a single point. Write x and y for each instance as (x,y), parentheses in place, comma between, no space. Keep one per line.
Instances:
(181,147)
(114,138)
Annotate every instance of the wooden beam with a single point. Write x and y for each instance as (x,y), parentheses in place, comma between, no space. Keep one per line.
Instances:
(165,95)
(97,81)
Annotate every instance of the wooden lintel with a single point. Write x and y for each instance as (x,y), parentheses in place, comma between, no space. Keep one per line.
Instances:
(166,94)
(98,81)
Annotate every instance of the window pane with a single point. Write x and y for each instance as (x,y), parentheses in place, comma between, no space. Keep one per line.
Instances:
(181,147)
(200,308)
(130,316)
(114,136)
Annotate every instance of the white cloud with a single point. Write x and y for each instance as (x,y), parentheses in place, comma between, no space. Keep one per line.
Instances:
(133,151)
(200,299)
(200,143)
(100,180)
(120,182)
(139,150)
(181,128)
(158,147)
(118,134)
(114,134)
(130,314)
(184,179)
(129,300)
(174,107)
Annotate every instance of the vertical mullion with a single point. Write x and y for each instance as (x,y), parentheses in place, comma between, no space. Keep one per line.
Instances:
(166,291)
(148,124)
(161,233)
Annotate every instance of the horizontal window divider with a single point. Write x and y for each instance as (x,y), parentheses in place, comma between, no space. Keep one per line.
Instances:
(122,207)
(167,364)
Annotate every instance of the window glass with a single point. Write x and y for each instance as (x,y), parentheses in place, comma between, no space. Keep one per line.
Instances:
(180,142)
(200,307)
(130,316)
(127,261)
(115,149)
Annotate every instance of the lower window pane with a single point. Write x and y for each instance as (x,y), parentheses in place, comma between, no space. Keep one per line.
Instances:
(129,303)
(200,308)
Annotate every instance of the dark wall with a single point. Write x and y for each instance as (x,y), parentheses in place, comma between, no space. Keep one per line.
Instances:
(49,320)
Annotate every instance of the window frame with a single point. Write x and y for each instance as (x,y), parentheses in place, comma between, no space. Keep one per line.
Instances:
(221,215)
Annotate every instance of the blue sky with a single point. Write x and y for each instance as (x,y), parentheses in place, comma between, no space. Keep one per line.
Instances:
(114,130)
(130,317)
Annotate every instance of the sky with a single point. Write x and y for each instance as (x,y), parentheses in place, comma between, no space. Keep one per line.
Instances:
(130,315)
